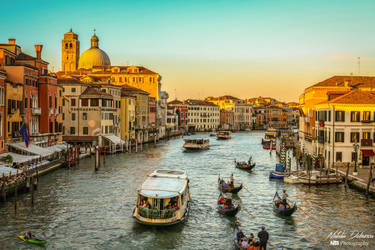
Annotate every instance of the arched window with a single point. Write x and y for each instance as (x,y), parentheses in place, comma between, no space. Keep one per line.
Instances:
(70,45)
(66,46)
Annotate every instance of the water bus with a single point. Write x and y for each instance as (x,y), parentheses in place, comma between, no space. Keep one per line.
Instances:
(223,135)
(196,143)
(163,199)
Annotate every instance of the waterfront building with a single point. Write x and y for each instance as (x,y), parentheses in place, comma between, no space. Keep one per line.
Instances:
(172,120)
(318,93)
(91,112)
(243,114)
(2,109)
(343,121)
(152,119)
(202,115)
(182,111)
(141,112)
(260,114)
(261,101)
(277,117)
(226,119)
(127,115)
(95,62)
(28,80)
(162,113)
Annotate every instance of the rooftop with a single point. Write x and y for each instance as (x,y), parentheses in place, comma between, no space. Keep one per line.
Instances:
(199,102)
(347,81)
(355,97)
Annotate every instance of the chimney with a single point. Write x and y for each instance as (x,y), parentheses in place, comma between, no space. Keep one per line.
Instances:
(12,41)
(38,50)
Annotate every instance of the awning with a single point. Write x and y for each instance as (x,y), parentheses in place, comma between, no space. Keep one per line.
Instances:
(368,152)
(58,147)
(32,149)
(6,170)
(17,158)
(114,139)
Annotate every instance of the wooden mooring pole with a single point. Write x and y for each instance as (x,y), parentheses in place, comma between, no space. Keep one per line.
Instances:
(3,189)
(369,180)
(104,152)
(15,195)
(32,190)
(347,175)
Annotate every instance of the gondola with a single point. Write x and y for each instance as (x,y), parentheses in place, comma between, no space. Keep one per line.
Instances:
(236,243)
(244,165)
(229,211)
(233,190)
(286,211)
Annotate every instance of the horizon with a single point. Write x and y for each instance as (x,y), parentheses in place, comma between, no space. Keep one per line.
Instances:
(241,48)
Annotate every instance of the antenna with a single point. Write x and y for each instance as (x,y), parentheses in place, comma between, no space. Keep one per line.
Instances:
(359,65)
(175,94)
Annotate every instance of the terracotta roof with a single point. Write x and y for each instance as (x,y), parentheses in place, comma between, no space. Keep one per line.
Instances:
(94,91)
(133,90)
(175,102)
(199,102)
(224,97)
(23,56)
(339,81)
(355,97)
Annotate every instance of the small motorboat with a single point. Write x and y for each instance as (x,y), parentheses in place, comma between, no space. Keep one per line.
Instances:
(228,206)
(229,185)
(212,134)
(278,173)
(281,209)
(36,241)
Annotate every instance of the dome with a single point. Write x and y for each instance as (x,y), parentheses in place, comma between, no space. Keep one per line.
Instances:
(93,56)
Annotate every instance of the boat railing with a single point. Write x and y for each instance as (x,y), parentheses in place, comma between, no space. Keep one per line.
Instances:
(156,213)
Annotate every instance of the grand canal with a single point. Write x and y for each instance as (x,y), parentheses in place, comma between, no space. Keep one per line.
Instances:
(84,209)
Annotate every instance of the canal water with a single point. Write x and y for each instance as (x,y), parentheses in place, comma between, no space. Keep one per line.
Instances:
(84,209)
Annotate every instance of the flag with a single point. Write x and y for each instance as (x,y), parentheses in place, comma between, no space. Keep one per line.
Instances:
(25,134)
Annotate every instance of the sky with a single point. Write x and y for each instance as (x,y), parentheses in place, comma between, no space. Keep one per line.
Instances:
(244,48)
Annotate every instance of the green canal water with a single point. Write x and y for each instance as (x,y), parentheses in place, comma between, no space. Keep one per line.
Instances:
(84,209)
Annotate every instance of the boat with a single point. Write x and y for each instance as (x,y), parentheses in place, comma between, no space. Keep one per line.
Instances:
(233,206)
(223,135)
(212,134)
(36,241)
(316,178)
(163,199)
(196,143)
(282,210)
(270,136)
(231,188)
(292,179)
(248,166)
(279,172)
(269,145)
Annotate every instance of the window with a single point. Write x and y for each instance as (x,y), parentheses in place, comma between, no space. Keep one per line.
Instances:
(63,116)
(94,102)
(72,130)
(26,102)
(63,102)
(73,90)
(50,101)
(338,156)
(84,116)
(366,135)
(340,116)
(354,137)
(355,116)
(55,102)
(73,102)
(73,116)
(85,130)
(339,137)
(366,115)
(85,102)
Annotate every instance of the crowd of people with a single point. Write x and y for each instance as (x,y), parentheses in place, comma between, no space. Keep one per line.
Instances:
(225,203)
(172,204)
(251,243)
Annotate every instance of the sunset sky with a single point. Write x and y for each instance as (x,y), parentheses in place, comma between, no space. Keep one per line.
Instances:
(242,48)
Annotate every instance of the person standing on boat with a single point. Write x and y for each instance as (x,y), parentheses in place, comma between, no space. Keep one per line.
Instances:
(28,235)
(263,238)
(285,197)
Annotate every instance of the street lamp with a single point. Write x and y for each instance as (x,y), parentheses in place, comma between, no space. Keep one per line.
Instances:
(355,146)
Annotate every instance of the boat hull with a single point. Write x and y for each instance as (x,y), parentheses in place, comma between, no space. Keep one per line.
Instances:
(285,212)
(276,175)
(246,168)
(163,224)
(233,190)
(33,241)
(229,212)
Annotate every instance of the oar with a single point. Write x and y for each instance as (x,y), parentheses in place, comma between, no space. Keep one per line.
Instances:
(247,211)
(246,189)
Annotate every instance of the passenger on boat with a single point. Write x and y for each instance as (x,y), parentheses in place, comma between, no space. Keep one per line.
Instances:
(285,196)
(244,243)
(240,235)
(228,204)
(29,235)
(224,184)
(251,238)
(263,238)
(148,205)
(221,200)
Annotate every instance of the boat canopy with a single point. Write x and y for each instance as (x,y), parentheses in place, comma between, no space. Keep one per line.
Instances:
(164,184)
(196,140)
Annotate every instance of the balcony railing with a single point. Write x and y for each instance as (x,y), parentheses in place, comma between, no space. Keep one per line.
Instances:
(36,111)
(366,143)
(367,121)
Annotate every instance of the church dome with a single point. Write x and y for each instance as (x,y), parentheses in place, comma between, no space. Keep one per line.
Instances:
(93,56)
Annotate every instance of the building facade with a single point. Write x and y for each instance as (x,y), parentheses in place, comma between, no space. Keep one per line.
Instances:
(202,115)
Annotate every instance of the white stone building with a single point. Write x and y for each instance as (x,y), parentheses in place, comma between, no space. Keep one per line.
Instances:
(202,115)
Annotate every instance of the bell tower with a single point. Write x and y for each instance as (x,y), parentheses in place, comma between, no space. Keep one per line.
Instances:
(70,52)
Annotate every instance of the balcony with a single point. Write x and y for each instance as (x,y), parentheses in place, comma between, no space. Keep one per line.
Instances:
(367,121)
(366,143)
(36,111)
